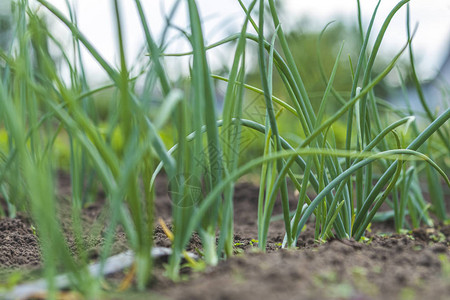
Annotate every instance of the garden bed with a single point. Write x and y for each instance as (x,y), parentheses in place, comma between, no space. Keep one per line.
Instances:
(415,265)
(345,151)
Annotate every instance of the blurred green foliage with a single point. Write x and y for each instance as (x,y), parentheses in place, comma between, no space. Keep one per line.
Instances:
(306,48)
(313,53)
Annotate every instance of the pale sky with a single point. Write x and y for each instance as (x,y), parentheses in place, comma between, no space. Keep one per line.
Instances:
(225,16)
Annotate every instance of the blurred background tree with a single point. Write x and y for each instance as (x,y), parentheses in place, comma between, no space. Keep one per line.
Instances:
(307,46)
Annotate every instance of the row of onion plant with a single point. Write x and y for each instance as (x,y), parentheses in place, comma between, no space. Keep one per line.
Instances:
(380,162)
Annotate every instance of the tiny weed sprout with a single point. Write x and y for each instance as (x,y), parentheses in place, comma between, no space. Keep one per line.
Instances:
(343,155)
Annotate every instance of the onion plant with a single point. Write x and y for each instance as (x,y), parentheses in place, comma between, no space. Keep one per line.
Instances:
(347,197)
(38,106)
(207,164)
(338,205)
(337,210)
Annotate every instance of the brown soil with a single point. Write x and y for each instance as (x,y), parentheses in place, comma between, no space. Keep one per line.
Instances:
(387,266)
(19,245)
